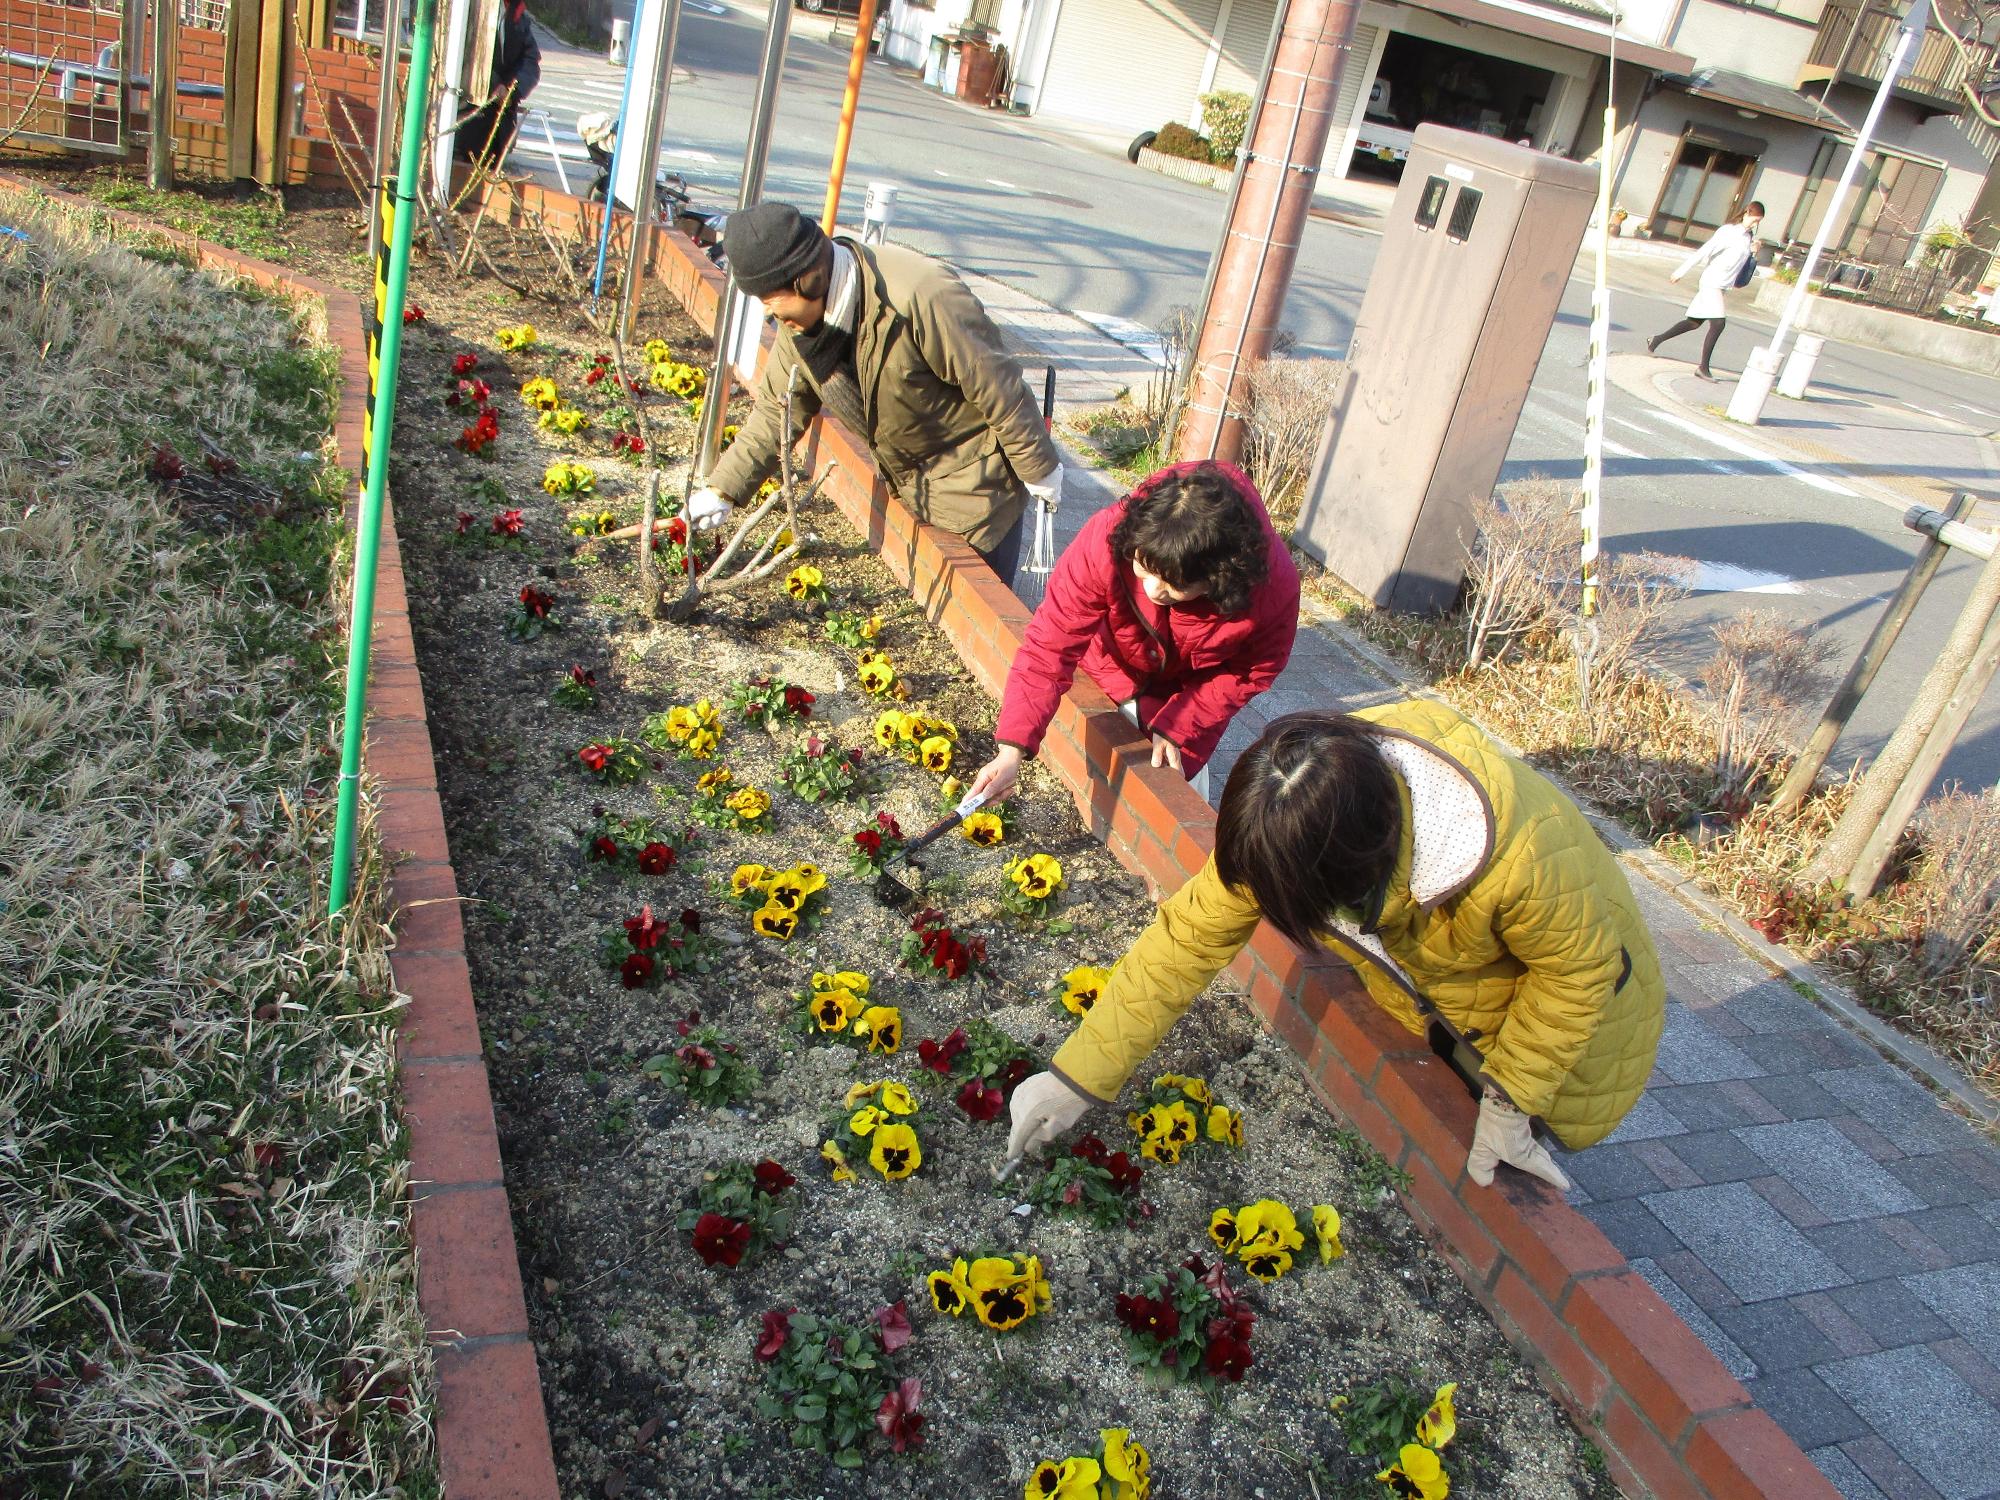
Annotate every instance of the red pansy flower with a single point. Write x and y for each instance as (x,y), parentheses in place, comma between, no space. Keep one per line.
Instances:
(604,847)
(1090,1149)
(656,859)
(772,1179)
(893,1322)
(799,701)
(888,824)
(777,1328)
(636,970)
(537,602)
(465,364)
(594,757)
(645,930)
(507,523)
(719,1238)
(465,520)
(897,1418)
(413,314)
(1227,1359)
(870,842)
(1156,1316)
(980,1099)
(690,922)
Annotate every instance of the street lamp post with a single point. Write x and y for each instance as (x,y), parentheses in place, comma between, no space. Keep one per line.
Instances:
(1753,387)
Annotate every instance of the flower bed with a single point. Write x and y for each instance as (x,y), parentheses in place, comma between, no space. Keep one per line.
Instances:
(642,1102)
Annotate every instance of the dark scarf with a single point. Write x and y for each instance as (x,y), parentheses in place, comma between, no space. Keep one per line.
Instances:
(827,352)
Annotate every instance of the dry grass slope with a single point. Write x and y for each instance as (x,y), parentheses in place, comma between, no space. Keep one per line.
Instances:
(204,1273)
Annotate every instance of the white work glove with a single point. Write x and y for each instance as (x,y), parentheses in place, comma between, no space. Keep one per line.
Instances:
(1043,1108)
(1502,1134)
(1049,490)
(706,510)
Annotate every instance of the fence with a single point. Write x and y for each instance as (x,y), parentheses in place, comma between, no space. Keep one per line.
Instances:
(1922,289)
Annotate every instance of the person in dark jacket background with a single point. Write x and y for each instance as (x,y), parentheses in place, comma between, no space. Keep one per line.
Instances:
(1180,601)
(517,60)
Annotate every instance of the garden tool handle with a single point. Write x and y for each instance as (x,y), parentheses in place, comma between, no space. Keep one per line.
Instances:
(968,805)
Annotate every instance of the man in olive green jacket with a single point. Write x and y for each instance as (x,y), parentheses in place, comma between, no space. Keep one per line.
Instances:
(893,344)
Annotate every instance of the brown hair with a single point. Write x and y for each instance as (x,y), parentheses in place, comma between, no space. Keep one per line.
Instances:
(1310,822)
(1192,526)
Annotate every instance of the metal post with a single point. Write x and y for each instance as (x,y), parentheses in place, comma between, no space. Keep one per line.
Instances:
(649,172)
(864,26)
(1746,403)
(1287,139)
(618,144)
(451,83)
(385,120)
(770,73)
(368,538)
(160,100)
(1847,697)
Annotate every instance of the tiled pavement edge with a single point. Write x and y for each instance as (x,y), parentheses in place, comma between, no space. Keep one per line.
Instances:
(490,1427)
(1818,1218)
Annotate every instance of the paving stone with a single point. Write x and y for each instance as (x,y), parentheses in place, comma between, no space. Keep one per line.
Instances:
(1611,1172)
(1717,1106)
(1892,1312)
(1745,1241)
(1974,1368)
(1717,1155)
(1813,1416)
(1669,1168)
(1843,1475)
(1804,1051)
(1898,1108)
(1937,1423)
(1704,949)
(1774,1005)
(1647,1120)
(1691,1051)
(1698,1279)
(1720,1344)
(1944,1180)
(1867,1249)
(1968,1298)
(1632,1228)
(1886,1470)
(1864,1135)
(1829,1170)
(1793,1095)
(1788,1201)
(1963,1234)
(1849,1337)
(1778,1334)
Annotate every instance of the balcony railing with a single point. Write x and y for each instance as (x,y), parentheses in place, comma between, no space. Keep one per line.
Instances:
(1932,79)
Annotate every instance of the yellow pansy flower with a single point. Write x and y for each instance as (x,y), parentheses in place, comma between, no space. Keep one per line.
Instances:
(1081,987)
(710,782)
(1224,1125)
(883,1026)
(1326,1230)
(540,393)
(1126,1465)
(837,1159)
(1195,1088)
(833,1010)
(847,979)
(774,922)
(806,582)
(749,804)
(935,754)
(877,675)
(894,1152)
(890,728)
(897,1099)
(1037,877)
(750,878)
(1417,1472)
(864,1120)
(1439,1425)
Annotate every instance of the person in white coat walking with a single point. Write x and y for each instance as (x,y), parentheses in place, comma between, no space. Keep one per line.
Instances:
(1721,262)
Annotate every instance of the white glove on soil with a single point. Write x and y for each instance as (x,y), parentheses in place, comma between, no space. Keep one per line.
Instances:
(1043,1108)
(706,509)
(1502,1134)
(1049,490)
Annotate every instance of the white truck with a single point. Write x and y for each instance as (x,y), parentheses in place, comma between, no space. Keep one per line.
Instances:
(1380,136)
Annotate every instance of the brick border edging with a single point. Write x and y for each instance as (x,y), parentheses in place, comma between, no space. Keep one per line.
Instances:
(1673,1421)
(491,1429)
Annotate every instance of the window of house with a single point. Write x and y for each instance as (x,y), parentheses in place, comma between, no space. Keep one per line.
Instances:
(359,18)
(1887,211)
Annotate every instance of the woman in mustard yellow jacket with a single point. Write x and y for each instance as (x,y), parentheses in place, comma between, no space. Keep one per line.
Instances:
(1475,900)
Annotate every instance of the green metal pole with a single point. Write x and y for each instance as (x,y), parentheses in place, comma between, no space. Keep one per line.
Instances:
(368,543)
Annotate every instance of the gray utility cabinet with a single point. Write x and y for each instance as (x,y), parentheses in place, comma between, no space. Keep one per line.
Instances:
(1478,248)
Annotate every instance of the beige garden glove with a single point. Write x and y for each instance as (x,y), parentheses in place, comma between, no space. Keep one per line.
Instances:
(1043,1108)
(1502,1134)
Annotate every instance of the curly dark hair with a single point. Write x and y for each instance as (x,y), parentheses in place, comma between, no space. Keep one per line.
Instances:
(1195,528)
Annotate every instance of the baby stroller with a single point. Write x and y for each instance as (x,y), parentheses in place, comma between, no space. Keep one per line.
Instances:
(671,203)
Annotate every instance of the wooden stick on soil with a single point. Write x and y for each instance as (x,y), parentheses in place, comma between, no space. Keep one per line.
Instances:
(649,515)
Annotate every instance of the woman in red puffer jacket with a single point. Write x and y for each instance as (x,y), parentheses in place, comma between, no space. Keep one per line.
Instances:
(1180,601)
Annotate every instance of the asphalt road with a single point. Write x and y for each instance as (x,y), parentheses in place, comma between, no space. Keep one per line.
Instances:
(1069,221)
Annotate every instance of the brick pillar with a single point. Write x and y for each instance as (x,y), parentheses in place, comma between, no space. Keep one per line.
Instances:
(1286,141)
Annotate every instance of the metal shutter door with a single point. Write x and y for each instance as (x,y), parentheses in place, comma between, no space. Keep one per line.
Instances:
(1135,64)
(1357,72)
(1245,33)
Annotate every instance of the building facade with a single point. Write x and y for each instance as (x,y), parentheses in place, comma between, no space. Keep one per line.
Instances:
(1720,101)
